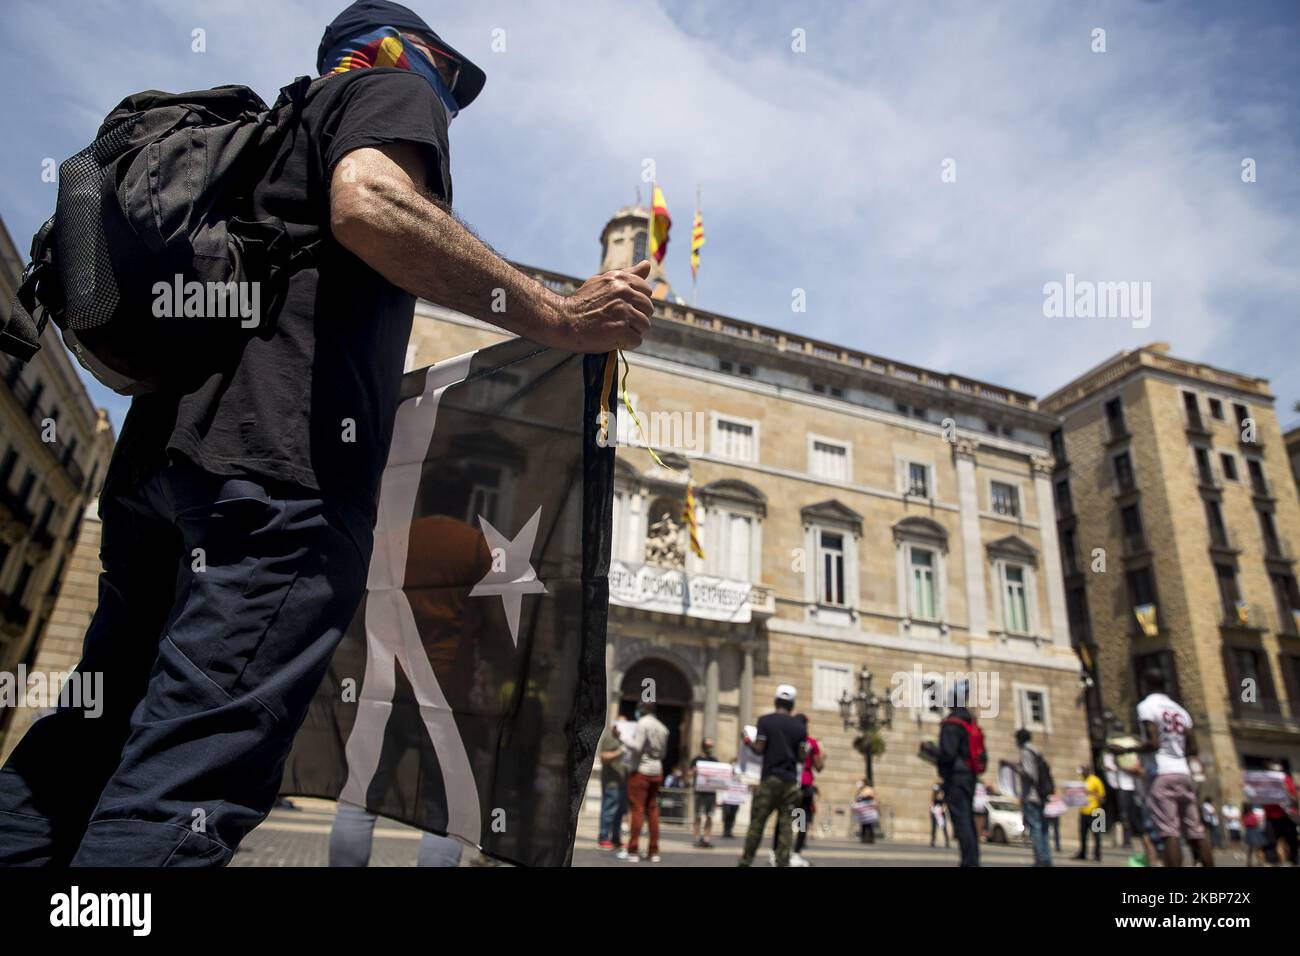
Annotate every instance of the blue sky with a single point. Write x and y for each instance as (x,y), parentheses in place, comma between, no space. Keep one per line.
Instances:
(820,170)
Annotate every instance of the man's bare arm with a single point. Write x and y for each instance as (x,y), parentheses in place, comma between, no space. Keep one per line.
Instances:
(380,213)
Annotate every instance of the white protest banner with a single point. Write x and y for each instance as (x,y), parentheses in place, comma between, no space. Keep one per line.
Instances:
(1074,793)
(735,795)
(668,591)
(1008,779)
(865,811)
(711,776)
(750,764)
(1265,786)
(626,728)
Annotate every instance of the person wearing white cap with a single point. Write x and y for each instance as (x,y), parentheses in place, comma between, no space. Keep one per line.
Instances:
(781,740)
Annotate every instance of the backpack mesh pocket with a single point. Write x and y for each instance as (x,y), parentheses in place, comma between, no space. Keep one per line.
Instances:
(81,252)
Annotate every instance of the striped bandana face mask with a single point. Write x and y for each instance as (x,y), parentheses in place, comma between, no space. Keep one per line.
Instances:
(388,47)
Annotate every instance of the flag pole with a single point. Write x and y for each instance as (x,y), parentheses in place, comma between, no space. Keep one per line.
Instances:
(650,223)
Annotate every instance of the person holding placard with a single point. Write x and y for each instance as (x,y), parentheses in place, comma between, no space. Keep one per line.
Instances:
(1096,791)
(705,800)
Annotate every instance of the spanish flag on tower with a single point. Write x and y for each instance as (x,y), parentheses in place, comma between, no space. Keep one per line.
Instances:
(660,223)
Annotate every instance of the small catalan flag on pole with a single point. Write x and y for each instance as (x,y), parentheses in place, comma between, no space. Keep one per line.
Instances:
(697,241)
(688,516)
(660,223)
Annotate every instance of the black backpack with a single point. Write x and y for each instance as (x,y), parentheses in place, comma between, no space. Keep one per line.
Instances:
(1045,785)
(161,196)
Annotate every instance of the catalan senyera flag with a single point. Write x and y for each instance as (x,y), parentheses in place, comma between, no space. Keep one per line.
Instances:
(660,223)
(697,242)
(688,516)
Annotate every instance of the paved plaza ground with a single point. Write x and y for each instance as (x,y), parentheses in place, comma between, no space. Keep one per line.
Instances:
(300,837)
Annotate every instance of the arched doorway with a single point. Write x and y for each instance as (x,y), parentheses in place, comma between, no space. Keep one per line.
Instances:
(671,692)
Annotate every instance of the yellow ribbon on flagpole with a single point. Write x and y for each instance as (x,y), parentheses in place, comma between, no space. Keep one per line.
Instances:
(611,365)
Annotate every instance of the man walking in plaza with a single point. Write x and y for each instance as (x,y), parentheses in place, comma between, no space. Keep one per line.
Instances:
(263,453)
(1035,787)
(1167,741)
(613,789)
(781,740)
(648,744)
(958,763)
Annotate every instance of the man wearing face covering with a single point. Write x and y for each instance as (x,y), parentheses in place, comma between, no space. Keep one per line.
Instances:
(238,510)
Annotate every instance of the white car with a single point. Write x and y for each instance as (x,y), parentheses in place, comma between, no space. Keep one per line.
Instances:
(1006,823)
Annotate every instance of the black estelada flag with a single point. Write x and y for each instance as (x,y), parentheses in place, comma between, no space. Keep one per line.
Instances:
(468,694)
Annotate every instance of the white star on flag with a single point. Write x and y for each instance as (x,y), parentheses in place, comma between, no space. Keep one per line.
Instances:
(517,577)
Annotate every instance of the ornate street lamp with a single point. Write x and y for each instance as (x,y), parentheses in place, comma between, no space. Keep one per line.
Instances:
(866,713)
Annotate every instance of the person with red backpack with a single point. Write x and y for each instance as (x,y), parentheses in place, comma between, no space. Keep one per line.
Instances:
(962,758)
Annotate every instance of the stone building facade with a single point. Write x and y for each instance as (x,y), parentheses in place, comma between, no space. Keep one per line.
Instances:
(59,649)
(1174,474)
(54,449)
(1292,440)
(855,513)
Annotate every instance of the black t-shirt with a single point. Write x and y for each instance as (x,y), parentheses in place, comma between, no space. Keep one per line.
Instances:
(309,396)
(783,733)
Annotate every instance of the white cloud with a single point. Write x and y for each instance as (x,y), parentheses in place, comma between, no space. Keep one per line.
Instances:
(821,170)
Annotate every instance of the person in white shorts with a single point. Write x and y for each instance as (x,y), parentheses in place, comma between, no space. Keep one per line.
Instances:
(1167,741)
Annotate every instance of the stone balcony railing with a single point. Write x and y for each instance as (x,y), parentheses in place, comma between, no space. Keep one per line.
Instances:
(1267,710)
(1154,359)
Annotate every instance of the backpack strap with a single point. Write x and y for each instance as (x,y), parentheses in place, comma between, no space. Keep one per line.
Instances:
(21,334)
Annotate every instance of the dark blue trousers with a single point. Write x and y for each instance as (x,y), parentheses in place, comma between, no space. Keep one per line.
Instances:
(220,603)
(959,794)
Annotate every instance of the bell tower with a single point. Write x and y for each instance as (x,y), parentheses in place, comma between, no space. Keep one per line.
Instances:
(625,241)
